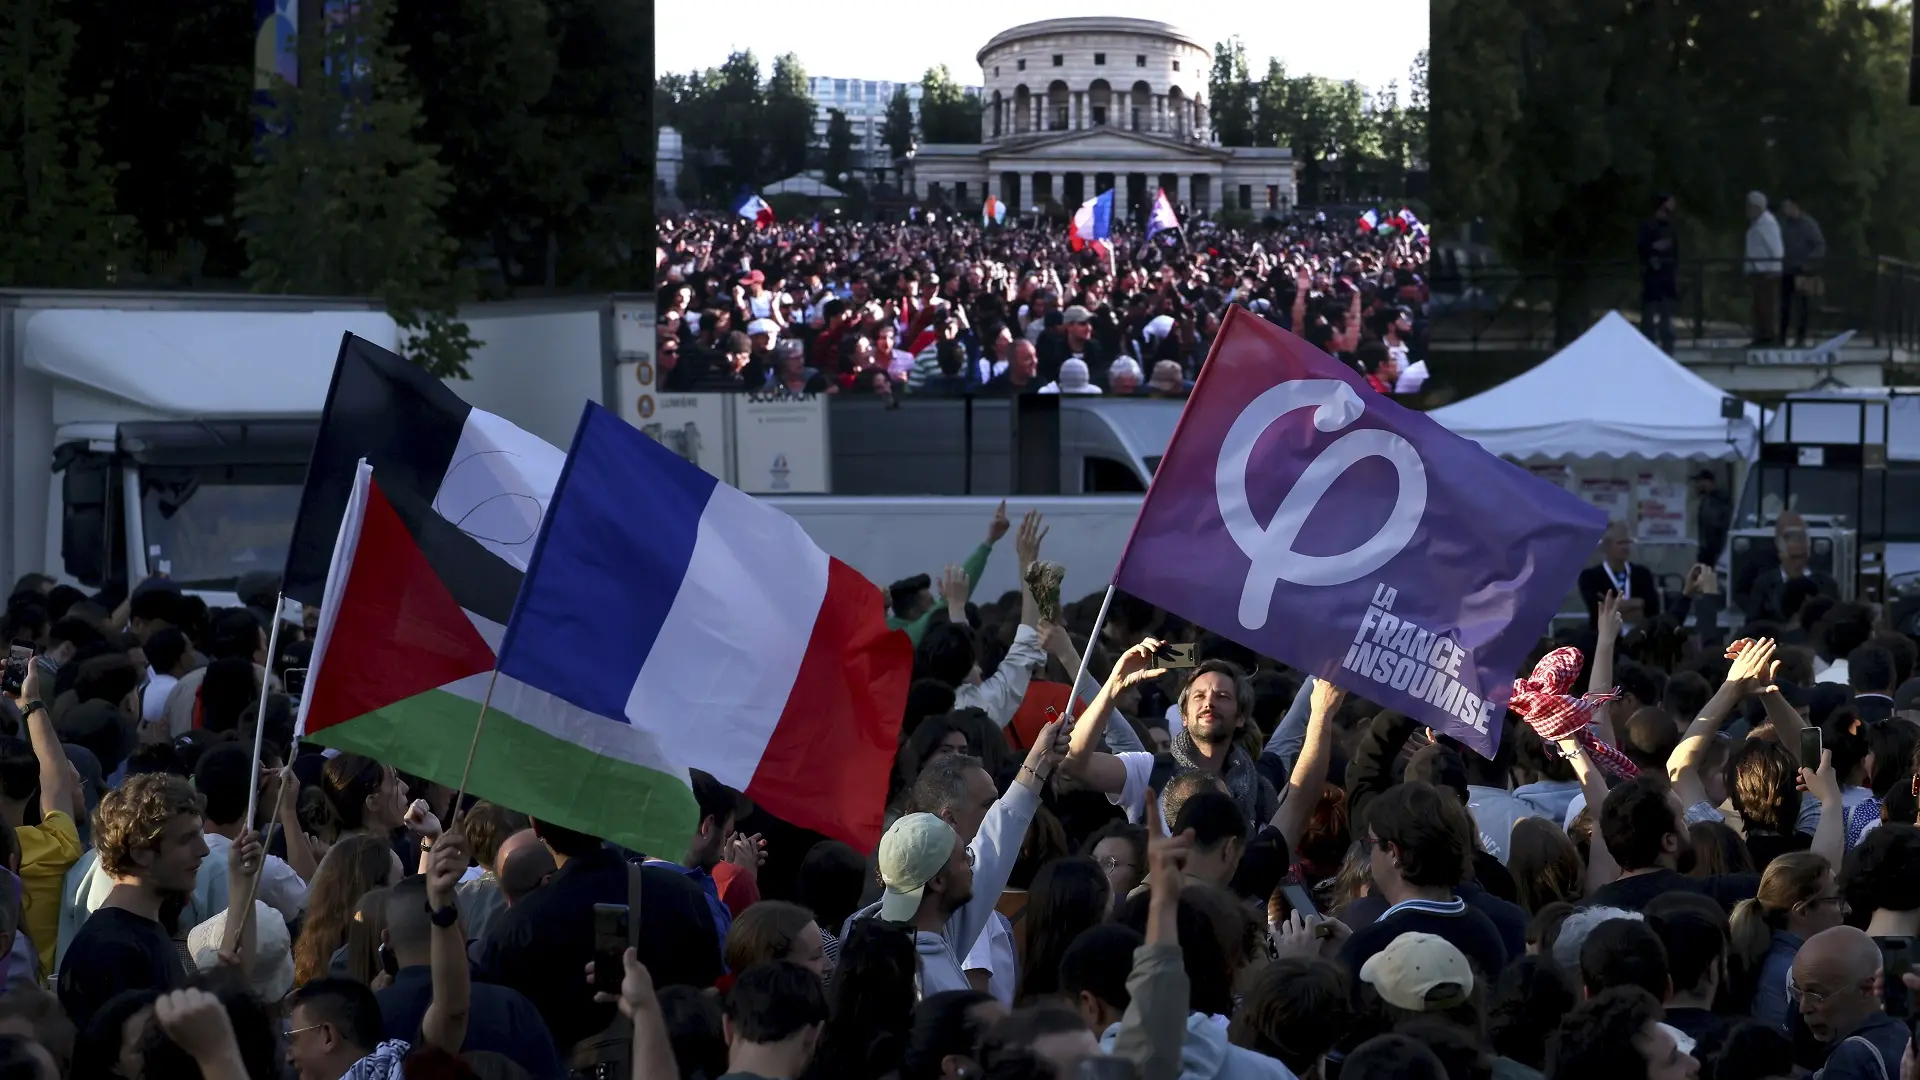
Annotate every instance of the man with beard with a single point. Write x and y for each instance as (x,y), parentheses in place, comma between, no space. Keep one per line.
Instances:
(1213,705)
(1645,829)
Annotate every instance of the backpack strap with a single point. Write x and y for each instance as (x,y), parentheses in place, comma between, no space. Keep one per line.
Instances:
(1874,1050)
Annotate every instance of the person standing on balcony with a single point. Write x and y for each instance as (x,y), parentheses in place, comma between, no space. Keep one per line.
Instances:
(1659,273)
(1764,262)
(1804,245)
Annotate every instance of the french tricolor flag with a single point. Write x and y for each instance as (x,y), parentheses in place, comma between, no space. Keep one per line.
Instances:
(699,628)
(754,209)
(1092,223)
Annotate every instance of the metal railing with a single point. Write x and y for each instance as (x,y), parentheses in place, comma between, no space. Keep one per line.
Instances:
(1494,306)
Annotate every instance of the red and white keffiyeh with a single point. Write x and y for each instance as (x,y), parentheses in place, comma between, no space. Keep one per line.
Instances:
(1544,701)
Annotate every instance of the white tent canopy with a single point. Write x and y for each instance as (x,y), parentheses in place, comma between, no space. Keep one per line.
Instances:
(1611,394)
(806,183)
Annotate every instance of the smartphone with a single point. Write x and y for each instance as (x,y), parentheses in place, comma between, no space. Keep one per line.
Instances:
(1810,747)
(295,681)
(14,675)
(1298,897)
(1174,657)
(1897,955)
(610,941)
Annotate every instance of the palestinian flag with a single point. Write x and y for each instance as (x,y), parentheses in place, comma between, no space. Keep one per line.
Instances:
(416,578)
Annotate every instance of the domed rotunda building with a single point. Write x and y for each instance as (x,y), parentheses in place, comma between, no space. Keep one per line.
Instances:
(1073,107)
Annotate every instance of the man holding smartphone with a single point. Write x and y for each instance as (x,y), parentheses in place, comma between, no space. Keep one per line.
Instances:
(1213,707)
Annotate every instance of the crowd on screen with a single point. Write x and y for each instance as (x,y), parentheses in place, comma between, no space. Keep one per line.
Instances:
(945,306)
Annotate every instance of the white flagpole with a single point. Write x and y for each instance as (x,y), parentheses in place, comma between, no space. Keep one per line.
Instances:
(1086,657)
(260,716)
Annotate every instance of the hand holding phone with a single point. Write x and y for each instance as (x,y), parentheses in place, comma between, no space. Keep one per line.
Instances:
(1174,657)
(610,941)
(13,676)
(1810,747)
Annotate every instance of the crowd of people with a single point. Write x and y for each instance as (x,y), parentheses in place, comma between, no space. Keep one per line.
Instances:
(944,306)
(1690,857)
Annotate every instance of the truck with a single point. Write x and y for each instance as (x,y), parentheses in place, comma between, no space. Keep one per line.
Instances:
(162,432)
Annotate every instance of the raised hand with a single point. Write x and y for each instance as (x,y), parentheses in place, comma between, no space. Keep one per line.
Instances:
(954,590)
(446,864)
(1607,619)
(243,859)
(636,987)
(1821,783)
(197,1023)
(747,853)
(1135,666)
(421,821)
(1326,698)
(1027,542)
(998,527)
(1166,855)
(1753,665)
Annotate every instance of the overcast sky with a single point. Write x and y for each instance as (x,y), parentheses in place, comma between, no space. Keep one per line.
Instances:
(1372,41)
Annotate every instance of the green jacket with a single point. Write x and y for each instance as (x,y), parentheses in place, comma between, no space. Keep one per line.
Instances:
(916,628)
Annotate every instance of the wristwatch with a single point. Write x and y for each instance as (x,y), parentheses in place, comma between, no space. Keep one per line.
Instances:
(31,706)
(444,917)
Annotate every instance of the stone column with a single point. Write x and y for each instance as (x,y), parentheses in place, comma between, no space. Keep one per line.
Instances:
(1118,115)
(1185,198)
(1079,110)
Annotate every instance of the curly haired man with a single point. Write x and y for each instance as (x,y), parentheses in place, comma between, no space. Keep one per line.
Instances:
(150,841)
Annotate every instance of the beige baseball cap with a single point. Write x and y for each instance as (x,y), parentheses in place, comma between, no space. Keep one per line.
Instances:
(1419,973)
(911,854)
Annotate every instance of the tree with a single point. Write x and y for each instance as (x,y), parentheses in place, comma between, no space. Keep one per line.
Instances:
(1557,122)
(1273,119)
(839,155)
(948,114)
(897,131)
(56,188)
(790,112)
(481,69)
(175,115)
(1230,88)
(344,200)
(731,119)
(598,119)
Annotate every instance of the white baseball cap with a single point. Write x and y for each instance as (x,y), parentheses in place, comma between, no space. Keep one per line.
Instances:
(912,853)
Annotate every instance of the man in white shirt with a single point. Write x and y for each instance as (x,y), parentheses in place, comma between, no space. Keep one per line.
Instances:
(1766,254)
(945,887)
(167,657)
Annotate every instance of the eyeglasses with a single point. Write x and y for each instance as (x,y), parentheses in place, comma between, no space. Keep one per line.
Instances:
(1817,999)
(1110,863)
(288,1031)
(1835,899)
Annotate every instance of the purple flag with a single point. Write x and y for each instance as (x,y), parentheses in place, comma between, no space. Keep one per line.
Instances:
(1310,519)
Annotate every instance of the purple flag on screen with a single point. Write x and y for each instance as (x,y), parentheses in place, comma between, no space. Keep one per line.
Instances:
(1310,519)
